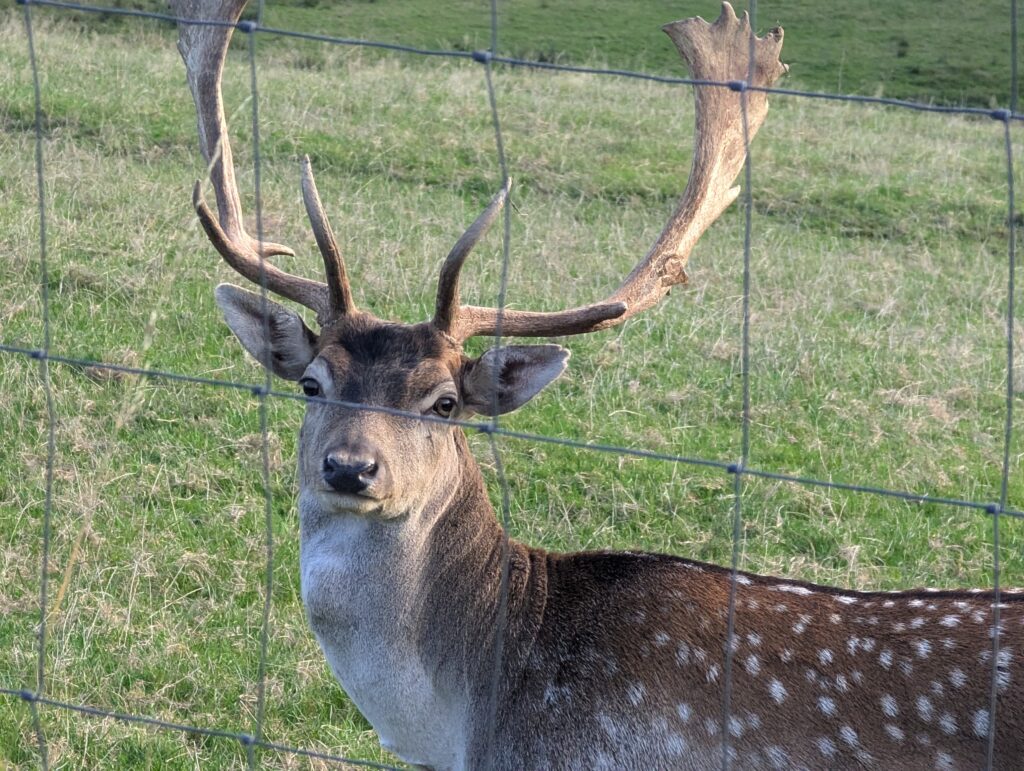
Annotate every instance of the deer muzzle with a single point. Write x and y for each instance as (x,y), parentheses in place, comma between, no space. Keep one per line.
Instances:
(355,470)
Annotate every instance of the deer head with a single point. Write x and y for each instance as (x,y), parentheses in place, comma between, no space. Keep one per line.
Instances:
(351,456)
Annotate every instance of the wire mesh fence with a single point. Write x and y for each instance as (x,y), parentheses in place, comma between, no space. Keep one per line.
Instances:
(738,470)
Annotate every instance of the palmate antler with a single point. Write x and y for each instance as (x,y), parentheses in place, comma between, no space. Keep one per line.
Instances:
(718,52)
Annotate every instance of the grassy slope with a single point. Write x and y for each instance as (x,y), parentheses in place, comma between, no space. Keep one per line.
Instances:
(877,354)
(941,51)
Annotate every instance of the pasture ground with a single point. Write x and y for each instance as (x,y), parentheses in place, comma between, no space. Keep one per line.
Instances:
(877,357)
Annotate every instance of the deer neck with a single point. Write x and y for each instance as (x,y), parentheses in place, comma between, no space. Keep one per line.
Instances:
(406,611)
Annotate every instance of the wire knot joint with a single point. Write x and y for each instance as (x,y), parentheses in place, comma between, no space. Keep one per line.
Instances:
(482,56)
(247,26)
(739,86)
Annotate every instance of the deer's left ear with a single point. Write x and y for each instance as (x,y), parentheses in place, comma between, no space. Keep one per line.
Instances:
(518,372)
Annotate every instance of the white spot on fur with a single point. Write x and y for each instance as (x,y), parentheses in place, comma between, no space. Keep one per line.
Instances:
(916,603)
(712,673)
(917,623)
(792,589)
(636,692)
(944,762)
(826,746)
(924,708)
(845,599)
(947,723)
(777,691)
(835,618)
(711,726)
(675,744)
(885,658)
(553,694)
(777,757)
(685,712)
(741,579)
(753,666)
(827,706)
(923,648)
(895,733)
(787,655)
(889,707)
(950,620)
(683,654)
(801,625)
(754,639)
(979,721)
(661,639)
(957,678)
(825,656)
(848,735)
(735,726)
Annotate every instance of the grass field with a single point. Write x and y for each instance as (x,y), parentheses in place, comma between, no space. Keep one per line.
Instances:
(877,354)
(940,51)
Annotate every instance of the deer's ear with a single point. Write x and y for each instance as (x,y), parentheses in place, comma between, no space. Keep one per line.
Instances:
(275,336)
(518,372)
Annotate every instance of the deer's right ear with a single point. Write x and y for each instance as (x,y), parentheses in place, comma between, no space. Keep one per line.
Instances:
(291,345)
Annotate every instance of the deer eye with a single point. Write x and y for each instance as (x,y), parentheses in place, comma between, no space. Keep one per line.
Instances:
(309,386)
(445,406)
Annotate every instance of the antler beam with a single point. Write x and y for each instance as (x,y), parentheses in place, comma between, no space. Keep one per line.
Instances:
(204,48)
(719,52)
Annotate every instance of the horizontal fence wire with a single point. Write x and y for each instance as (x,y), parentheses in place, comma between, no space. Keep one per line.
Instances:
(1002,114)
(487,427)
(492,428)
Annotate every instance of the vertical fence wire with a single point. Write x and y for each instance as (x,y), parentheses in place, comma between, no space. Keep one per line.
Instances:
(501,626)
(262,395)
(51,420)
(737,514)
(251,741)
(1004,483)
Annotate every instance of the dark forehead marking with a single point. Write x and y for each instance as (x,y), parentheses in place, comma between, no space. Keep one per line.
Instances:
(367,340)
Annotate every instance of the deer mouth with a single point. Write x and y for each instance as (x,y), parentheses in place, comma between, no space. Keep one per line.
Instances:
(362,502)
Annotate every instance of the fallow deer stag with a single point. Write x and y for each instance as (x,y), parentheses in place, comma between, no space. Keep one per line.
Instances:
(610,660)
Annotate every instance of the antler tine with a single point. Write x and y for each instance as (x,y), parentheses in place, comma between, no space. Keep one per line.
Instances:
(204,47)
(338,289)
(718,52)
(446,309)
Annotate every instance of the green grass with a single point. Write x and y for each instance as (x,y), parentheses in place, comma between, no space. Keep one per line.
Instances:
(877,353)
(941,51)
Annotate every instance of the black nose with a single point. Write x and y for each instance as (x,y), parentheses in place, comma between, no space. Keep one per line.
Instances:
(349,471)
